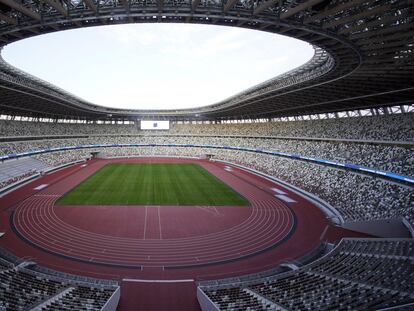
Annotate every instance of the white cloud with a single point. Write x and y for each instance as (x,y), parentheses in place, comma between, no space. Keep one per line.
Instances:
(157,65)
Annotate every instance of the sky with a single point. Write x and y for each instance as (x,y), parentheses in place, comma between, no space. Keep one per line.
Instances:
(157,66)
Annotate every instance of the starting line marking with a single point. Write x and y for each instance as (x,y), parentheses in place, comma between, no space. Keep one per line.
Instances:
(158,281)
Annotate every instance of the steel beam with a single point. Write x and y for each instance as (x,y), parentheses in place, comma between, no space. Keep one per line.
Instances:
(385,20)
(194,4)
(53,26)
(91,6)
(8,20)
(125,3)
(353,17)
(19,7)
(57,6)
(16,35)
(264,6)
(390,29)
(34,30)
(298,8)
(229,5)
(334,10)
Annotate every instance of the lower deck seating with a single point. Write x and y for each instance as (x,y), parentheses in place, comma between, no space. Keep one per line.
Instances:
(18,290)
(236,299)
(24,288)
(81,298)
(359,274)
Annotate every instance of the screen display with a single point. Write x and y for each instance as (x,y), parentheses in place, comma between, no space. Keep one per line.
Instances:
(155,125)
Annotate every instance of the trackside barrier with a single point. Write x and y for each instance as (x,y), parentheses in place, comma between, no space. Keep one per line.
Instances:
(407,306)
(54,169)
(353,167)
(18,183)
(409,226)
(113,301)
(24,181)
(205,303)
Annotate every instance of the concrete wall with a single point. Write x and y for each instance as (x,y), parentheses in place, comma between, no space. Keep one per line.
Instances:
(389,228)
(112,303)
(205,303)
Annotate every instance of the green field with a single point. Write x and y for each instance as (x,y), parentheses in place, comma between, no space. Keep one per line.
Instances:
(152,184)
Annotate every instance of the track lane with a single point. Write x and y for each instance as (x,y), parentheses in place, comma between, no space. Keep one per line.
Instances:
(269,222)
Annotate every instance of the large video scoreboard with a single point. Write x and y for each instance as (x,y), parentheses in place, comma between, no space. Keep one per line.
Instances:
(155,125)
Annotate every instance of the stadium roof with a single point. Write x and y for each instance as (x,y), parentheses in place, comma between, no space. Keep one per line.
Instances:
(363,54)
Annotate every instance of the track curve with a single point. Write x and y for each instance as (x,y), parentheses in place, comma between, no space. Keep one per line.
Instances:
(270,222)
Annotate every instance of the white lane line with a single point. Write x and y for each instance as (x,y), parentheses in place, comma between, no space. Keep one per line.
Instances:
(159,222)
(218,213)
(145,222)
(207,209)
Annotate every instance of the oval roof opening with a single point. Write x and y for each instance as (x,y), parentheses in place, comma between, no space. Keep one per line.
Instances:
(157,66)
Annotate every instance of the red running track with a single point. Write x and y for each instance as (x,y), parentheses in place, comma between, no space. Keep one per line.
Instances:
(158,242)
(268,223)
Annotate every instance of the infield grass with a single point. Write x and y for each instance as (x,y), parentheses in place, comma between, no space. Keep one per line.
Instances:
(152,184)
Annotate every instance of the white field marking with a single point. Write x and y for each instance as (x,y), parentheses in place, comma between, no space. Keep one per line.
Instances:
(83,165)
(278,191)
(158,281)
(159,221)
(145,221)
(207,209)
(47,195)
(40,187)
(218,213)
(285,198)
